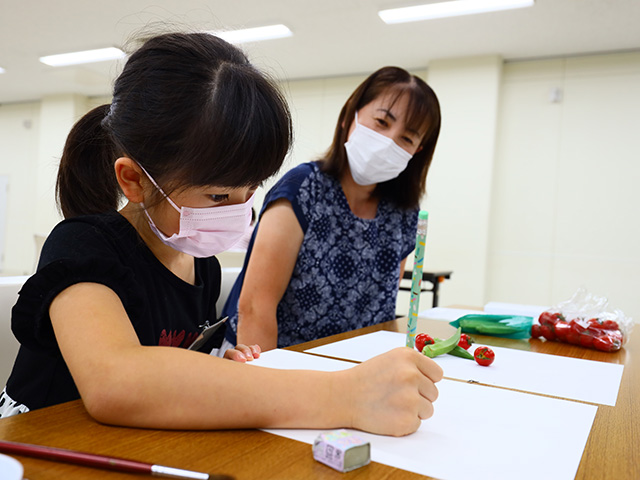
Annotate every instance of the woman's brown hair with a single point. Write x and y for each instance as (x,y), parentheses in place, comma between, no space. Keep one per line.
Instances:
(423,114)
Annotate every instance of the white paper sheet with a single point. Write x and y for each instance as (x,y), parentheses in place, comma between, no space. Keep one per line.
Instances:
(564,377)
(475,431)
(288,360)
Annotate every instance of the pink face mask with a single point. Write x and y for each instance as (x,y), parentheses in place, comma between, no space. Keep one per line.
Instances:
(207,231)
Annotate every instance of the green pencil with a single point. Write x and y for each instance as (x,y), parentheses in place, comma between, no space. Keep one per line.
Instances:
(416,279)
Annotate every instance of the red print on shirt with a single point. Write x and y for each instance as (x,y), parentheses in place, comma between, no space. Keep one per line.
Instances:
(175,339)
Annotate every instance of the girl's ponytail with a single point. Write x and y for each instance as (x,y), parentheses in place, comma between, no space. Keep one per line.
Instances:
(86,180)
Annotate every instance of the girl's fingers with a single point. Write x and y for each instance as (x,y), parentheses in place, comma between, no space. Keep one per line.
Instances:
(235,355)
(243,353)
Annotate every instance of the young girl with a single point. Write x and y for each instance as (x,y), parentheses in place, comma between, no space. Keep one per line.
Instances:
(334,235)
(192,129)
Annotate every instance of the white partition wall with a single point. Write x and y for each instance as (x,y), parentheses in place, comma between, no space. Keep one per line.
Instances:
(566,197)
(459,187)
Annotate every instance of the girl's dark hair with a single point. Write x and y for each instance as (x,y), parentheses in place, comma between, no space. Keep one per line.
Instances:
(423,113)
(189,108)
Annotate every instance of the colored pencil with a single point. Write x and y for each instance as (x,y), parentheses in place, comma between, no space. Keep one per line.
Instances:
(416,278)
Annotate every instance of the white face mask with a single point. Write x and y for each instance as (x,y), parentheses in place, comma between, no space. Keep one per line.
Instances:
(207,231)
(374,158)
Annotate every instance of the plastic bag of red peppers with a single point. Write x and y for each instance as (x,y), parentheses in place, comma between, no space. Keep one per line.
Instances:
(584,320)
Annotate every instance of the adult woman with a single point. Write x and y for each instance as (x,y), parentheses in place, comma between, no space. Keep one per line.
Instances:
(192,128)
(333,235)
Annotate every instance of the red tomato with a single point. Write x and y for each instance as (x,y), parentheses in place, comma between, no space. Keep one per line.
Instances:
(616,335)
(606,344)
(577,325)
(562,329)
(547,332)
(586,339)
(465,341)
(484,356)
(573,337)
(548,318)
(423,339)
(545,318)
(535,330)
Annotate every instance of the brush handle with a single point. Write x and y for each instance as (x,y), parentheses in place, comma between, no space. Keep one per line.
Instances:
(96,461)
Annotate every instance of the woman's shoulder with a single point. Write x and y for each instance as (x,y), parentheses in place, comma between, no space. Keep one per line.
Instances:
(297,175)
(292,182)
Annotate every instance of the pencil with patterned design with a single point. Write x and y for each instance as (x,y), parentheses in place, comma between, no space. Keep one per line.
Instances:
(416,278)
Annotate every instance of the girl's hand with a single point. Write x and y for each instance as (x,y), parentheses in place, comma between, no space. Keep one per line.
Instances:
(392,393)
(243,353)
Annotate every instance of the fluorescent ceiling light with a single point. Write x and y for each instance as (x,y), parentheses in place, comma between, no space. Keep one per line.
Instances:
(255,34)
(2,70)
(87,56)
(449,9)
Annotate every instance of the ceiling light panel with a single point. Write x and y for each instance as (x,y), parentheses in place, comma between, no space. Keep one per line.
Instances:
(256,34)
(449,9)
(86,56)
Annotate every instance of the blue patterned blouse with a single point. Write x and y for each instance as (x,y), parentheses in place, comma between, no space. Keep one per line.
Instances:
(347,272)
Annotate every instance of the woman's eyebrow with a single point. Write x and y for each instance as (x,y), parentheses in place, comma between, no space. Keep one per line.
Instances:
(387,113)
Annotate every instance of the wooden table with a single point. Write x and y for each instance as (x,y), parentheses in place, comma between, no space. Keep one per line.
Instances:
(612,451)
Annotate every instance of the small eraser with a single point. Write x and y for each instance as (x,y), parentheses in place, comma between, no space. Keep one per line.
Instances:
(341,450)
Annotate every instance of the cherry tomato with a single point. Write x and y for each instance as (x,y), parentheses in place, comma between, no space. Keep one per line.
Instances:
(423,339)
(548,318)
(547,332)
(573,337)
(484,356)
(616,335)
(603,324)
(606,343)
(465,341)
(535,330)
(577,325)
(561,330)
(586,339)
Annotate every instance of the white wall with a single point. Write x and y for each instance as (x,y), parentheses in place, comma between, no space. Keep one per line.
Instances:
(19,135)
(459,184)
(528,199)
(566,197)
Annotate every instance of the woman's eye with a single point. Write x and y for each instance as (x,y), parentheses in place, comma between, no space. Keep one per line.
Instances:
(382,122)
(407,140)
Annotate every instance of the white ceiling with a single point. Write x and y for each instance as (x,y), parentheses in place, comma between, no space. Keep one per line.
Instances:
(331,37)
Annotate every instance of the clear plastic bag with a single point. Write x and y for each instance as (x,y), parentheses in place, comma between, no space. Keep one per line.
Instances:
(585,319)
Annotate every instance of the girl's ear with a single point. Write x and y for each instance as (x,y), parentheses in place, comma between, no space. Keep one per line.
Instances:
(130,179)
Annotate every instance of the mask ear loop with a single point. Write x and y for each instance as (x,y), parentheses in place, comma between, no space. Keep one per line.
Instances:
(159,189)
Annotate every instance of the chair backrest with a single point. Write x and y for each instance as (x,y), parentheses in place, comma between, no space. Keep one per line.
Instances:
(9,288)
(229,276)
